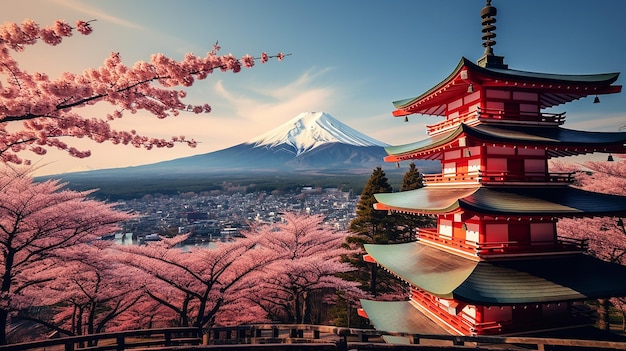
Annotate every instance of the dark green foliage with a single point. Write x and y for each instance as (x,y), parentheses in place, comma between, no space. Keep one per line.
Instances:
(372,227)
(412,180)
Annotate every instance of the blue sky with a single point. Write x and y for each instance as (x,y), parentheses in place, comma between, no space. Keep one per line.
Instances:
(350,58)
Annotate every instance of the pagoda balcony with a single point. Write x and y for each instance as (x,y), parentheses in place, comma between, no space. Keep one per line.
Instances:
(497,177)
(504,248)
(481,115)
(533,118)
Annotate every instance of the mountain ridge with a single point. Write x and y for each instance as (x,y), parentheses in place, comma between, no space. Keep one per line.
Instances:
(312,145)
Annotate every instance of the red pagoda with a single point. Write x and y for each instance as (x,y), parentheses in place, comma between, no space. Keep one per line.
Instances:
(495,264)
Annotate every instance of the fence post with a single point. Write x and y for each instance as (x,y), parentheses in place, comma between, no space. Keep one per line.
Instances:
(168,338)
(120,343)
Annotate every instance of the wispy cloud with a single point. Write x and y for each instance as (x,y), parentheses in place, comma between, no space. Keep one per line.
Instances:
(289,99)
(598,122)
(81,6)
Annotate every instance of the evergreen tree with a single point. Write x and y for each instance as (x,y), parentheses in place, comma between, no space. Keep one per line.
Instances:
(372,227)
(412,180)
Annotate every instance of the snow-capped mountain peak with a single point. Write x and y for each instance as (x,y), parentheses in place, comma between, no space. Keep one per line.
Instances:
(309,130)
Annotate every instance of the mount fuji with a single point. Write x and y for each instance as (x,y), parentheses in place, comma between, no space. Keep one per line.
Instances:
(310,144)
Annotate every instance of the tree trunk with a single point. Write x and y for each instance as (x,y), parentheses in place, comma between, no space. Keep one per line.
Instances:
(4,315)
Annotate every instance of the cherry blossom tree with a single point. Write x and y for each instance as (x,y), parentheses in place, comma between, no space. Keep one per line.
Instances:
(291,288)
(90,291)
(201,285)
(53,109)
(607,235)
(37,222)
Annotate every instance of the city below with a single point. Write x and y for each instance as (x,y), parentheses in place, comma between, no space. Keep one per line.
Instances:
(214,216)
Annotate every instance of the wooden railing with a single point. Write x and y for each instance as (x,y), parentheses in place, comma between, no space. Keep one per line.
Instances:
(295,337)
(133,339)
(489,115)
(448,124)
(561,244)
(499,177)
(493,115)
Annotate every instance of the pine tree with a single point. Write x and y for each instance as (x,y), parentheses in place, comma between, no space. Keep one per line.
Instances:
(412,180)
(372,227)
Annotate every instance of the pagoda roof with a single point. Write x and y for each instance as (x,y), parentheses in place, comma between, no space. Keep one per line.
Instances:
(399,316)
(517,201)
(558,141)
(542,279)
(554,89)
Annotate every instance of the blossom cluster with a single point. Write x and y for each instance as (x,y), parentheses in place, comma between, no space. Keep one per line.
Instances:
(49,108)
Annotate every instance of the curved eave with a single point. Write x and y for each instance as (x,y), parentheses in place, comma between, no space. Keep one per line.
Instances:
(432,101)
(505,282)
(427,200)
(399,316)
(573,277)
(557,141)
(520,201)
(555,89)
(421,149)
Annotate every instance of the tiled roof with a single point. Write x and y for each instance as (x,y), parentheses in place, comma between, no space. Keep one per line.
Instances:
(542,279)
(577,142)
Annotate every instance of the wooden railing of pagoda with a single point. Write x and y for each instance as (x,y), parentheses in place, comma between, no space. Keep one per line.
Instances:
(494,115)
(499,177)
(448,124)
(491,115)
(561,244)
(295,337)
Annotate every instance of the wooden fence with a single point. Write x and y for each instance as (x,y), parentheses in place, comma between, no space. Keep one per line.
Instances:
(296,337)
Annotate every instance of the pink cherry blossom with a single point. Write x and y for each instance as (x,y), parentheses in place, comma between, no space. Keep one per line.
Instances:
(53,109)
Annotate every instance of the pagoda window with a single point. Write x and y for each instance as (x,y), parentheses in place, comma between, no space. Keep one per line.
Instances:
(497,233)
(475,96)
(472,233)
(519,234)
(469,313)
(493,106)
(498,94)
(456,104)
(542,233)
(511,108)
(496,164)
(445,227)
(452,155)
(525,96)
(473,165)
(531,152)
(535,168)
(529,109)
(449,169)
(494,150)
